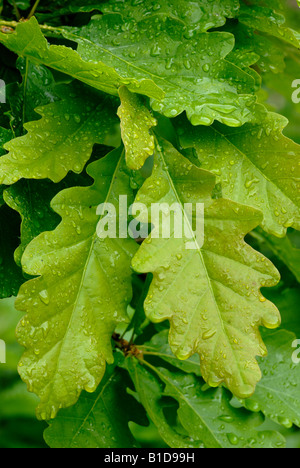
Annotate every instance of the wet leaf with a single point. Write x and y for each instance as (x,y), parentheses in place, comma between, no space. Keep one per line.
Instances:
(210,292)
(248,164)
(81,293)
(277,394)
(62,140)
(206,416)
(136,123)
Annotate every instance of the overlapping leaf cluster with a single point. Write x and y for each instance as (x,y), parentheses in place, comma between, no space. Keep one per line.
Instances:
(157,102)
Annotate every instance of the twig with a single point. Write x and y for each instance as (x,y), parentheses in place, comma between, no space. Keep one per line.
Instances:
(33,10)
(128,349)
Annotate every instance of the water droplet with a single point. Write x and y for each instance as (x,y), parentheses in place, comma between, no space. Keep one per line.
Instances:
(232,439)
(44,296)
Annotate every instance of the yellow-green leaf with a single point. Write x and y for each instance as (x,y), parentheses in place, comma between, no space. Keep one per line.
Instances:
(211,294)
(80,295)
(136,123)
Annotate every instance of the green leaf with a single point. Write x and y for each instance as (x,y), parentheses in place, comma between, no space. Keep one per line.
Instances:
(136,123)
(62,140)
(81,293)
(64,8)
(287,301)
(206,416)
(248,164)
(211,295)
(175,72)
(149,393)
(37,89)
(32,201)
(268,21)
(98,420)
(267,54)
(194,75)
(283,249)
(277,394)
(199,15)
(16,402)
(28,41)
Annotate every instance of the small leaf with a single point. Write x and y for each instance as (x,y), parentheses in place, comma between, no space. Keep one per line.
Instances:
(268,21)
(277,394)
(283,249)
(136,123)
(32,201)
(37,89)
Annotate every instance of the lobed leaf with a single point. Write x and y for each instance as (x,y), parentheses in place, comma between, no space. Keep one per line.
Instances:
(62,140)
(277,394)
(37,89)
(268,21)
(178,74)
(211,294)
(28,41)
(32,201)
(206,416)
(283,249)
(81,293)
(149,392)
(248,162)
(199,15)
(99,420)
(194,75)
